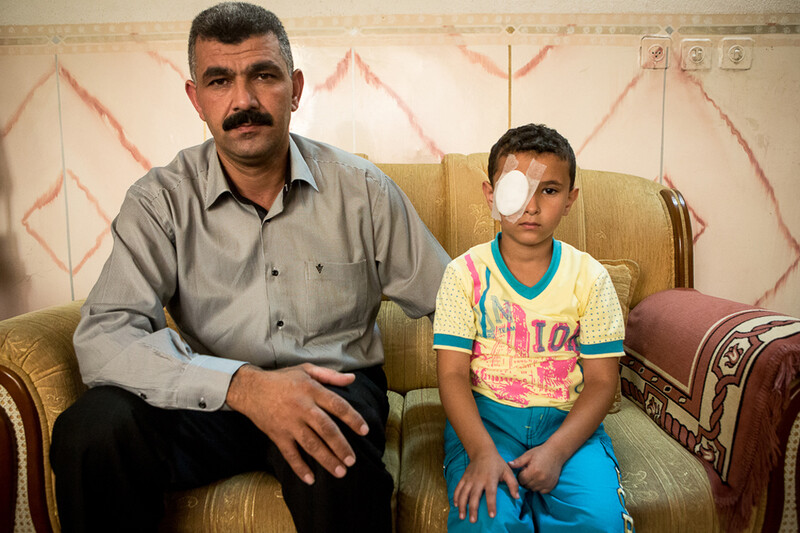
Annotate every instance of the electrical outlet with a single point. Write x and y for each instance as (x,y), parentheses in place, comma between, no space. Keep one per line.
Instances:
(696,54)
(654,51)
(736,53)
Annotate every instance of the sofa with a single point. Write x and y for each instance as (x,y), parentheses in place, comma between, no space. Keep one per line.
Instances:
(706,430)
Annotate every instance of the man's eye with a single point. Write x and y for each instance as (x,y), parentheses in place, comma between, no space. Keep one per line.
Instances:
(264,76)
(217,81)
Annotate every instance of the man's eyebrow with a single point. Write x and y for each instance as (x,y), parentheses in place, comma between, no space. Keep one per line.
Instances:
(213,72)
(261,66)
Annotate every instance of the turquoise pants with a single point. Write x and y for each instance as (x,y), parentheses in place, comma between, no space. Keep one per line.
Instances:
(587,498)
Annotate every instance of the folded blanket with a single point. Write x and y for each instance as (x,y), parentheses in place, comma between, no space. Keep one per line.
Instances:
(715,374)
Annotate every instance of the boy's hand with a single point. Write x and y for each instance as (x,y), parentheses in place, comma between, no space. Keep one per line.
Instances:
(482,475)
(540,469)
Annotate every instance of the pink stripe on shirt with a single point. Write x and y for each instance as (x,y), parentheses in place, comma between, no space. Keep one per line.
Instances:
(476,280)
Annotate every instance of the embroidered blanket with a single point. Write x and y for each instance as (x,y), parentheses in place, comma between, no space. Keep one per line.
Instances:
(715,375)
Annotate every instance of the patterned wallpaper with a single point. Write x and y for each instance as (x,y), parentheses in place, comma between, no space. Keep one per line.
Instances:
(86,109)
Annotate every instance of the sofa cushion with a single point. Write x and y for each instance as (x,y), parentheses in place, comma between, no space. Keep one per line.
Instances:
(624,274)
(410,361)
(422,504)
(666,488)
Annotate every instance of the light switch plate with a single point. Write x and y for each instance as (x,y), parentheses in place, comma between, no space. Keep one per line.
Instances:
(736,53)
(696,54)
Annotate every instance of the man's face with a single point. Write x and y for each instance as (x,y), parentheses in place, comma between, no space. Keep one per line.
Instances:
(246,96)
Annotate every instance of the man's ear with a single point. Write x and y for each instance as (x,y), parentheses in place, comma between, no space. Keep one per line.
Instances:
(488,193)
(191,92)
(297,88)
(573,195)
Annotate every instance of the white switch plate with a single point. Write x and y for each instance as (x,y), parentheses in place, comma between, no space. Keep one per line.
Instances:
(696,54)
(654,51)
(736,53)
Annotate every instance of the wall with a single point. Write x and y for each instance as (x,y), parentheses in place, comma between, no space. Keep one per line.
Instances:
(86,11)
(88,104)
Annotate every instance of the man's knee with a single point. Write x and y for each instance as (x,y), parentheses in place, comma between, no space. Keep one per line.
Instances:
(359,501)
(101,419)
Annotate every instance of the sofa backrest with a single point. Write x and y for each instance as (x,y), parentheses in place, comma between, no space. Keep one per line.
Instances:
(619,216)
(616,216)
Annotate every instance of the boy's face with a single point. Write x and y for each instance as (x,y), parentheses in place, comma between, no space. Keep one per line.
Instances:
(551,201)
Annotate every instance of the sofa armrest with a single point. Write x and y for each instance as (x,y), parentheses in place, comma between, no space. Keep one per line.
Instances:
(39,378)
(717,376)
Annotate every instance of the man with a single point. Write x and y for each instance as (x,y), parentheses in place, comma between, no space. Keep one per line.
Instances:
(271,253)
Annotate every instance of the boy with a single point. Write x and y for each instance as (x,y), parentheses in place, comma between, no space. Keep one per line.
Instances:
(528,332)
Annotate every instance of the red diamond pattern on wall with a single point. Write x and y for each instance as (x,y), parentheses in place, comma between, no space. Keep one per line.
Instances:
(46,201)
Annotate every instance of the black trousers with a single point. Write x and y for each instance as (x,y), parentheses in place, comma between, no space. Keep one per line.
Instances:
(114,457)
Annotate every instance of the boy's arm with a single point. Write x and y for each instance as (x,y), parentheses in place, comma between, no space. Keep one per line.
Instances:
(486,468)
(541,466)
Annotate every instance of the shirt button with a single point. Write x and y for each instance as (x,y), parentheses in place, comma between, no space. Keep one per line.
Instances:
(274,272)
(280,323)
(143,396)
(202,403)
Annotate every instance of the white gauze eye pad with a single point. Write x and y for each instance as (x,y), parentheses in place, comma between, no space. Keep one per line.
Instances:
(511,193)
(514,190)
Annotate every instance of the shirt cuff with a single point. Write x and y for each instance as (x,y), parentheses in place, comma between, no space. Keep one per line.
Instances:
(204,384)
(452,342)
(603,349)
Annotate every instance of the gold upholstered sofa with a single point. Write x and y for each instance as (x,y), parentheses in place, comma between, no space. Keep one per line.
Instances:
(706,434)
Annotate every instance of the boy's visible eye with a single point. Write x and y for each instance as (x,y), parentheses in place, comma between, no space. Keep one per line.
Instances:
(550,190)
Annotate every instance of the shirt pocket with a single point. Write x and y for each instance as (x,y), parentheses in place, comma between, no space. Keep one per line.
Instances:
(336,297)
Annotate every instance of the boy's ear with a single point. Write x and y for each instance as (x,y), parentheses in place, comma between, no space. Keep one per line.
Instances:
(573,195)
(488,192)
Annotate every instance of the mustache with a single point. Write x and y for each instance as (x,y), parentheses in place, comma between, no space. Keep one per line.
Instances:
(247,116)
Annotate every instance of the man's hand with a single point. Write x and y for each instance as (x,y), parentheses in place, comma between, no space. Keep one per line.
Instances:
(483,475)
(292,408)
(540,469)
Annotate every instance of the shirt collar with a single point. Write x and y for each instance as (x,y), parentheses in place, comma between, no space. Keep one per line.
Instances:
(217,185)
(523,290)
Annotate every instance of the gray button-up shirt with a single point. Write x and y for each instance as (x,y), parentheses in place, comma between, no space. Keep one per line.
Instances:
(302,285)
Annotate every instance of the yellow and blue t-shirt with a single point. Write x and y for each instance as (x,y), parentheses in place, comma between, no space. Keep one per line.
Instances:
(526,343)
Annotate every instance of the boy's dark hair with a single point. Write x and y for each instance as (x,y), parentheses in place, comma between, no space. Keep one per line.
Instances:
(536,138)
(233,23)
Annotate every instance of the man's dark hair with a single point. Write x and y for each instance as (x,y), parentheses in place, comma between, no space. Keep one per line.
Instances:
(536,138)
(233,23)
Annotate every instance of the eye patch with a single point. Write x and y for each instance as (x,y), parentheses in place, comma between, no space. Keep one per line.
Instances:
(513,190)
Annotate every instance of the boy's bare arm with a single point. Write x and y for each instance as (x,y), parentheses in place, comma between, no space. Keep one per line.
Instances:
(486,468)
(541,466)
